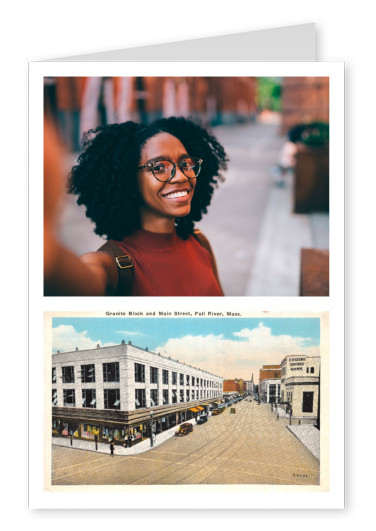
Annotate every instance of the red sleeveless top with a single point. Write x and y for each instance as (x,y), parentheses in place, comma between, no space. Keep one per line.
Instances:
(166,265)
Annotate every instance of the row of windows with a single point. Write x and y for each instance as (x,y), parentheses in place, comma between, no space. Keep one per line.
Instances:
(139,376)
(87,373)
(111,374)
(89,398)
(112,397)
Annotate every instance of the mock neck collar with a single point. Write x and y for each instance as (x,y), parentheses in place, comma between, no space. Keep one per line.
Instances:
(153,241)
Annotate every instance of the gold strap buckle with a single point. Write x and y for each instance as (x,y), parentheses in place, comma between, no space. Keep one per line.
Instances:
(124,266)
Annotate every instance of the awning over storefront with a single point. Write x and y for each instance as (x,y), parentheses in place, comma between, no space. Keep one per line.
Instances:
(194,409)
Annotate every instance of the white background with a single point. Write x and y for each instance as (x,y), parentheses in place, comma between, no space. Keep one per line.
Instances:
(40,30)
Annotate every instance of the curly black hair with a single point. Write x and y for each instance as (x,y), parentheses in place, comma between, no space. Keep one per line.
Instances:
(105,176)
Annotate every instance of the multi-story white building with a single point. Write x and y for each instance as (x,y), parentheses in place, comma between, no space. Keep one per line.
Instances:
(300,387)
(112,392)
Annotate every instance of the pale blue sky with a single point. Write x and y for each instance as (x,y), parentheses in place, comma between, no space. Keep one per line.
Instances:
(230,347)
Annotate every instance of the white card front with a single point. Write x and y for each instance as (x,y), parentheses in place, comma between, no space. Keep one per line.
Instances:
(259,226)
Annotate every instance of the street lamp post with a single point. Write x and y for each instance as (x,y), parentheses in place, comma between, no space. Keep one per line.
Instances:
(151,430)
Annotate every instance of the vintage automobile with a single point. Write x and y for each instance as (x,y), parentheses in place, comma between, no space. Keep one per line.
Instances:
(184,429)
(202,419)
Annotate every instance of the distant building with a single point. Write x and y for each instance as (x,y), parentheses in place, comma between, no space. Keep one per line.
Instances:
(235,386)
(81,103)
(270,383)
(119,391)
(249,386)
(304,100)
(300,387)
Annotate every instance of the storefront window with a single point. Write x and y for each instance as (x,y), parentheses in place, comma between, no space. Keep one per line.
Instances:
(89,431)
(115,434)
(135,434)
(64,429)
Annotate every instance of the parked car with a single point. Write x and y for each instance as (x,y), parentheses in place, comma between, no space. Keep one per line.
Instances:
(202,419)
(184,429)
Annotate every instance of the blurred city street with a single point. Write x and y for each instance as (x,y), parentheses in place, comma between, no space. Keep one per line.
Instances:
(255,235)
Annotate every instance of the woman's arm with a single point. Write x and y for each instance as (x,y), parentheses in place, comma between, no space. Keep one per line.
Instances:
(64,272)
(67,274)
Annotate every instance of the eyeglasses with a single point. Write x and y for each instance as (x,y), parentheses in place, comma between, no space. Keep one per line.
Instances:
(165,170)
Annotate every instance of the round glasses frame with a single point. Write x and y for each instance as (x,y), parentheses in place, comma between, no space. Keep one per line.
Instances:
(150,166)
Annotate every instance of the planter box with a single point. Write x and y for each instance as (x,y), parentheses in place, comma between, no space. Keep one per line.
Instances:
(311,185)
(314,273)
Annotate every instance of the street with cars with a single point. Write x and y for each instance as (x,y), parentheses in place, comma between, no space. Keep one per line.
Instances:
(245,443)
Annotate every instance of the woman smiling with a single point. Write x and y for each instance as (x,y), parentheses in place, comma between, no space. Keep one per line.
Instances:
(144,187)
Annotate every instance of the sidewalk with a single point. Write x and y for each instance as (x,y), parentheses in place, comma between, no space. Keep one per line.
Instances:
(104,448)
(309,436)
(276,266)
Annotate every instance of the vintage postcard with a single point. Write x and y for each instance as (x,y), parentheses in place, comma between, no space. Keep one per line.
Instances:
(190,399)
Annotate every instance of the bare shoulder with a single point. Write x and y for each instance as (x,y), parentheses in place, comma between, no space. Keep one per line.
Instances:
(103,266)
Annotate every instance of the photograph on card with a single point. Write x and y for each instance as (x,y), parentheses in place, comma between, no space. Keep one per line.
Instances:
(186,186)
(198,400)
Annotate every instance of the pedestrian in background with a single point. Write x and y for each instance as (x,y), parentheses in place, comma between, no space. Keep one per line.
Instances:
(112,448)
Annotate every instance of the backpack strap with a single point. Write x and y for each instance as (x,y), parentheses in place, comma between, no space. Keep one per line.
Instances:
(125,267)
(204,242)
